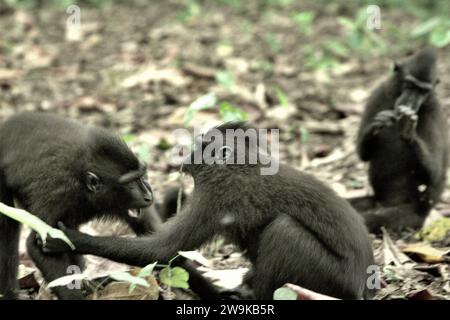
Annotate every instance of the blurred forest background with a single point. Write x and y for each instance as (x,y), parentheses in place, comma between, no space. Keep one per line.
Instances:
(144,68)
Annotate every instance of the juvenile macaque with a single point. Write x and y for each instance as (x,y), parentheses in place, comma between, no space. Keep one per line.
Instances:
(293,228)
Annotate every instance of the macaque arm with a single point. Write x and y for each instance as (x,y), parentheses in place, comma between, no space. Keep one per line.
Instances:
(425,159)
(366,141)
(182,233)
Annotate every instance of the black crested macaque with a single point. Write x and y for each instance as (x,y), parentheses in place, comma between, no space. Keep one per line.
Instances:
(61,170)
(403,136)
(292,227)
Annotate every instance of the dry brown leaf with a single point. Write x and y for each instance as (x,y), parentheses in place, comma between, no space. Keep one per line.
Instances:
(36,57)
(392,254)
(197,257)
(426,252)
(423,294)
(74,33)
(89,103)
(280,115)
(9,74)
(228,279)
(170,76)
(199,70)
(120,291)
(305,294)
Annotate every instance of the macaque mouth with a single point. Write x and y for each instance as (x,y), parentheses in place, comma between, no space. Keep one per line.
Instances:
(134,213)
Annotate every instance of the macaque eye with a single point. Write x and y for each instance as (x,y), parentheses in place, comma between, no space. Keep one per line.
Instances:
(93,182)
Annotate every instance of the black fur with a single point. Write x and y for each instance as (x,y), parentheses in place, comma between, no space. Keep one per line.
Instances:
(61,170)
(292,227)
(403,135)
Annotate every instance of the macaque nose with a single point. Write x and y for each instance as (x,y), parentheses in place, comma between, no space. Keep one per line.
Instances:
(148,197)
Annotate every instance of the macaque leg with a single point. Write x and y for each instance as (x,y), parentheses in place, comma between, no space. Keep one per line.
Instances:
(315,266)
(9,257)
(362,203)
(408,124)
(425,159)
(9,247)
(394,218)
(54,267)
(367,140)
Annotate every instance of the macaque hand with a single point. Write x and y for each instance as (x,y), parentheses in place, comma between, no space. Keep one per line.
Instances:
(382,119)
(55,245)
(407,122)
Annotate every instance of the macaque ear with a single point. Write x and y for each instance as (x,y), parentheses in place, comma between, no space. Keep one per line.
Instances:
(93,182)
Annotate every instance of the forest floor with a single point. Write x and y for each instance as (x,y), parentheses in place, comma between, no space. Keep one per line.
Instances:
(136,70)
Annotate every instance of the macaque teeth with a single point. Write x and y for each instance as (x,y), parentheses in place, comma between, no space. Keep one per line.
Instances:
(134,213)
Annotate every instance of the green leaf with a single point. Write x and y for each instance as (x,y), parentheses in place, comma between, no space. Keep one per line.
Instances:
(355,39)
(337,48)
(175,277)
(34,223)
(225,79)
(426,27)
(147,270)
(284,294)
(390,275)
(262,65)
(128,137)
(143,273)
(273,42)
(206,101)
(304,135)
(361,17)
(228,112)
(64,281)
(347,23)
(125,276)
(163,144)
(303,18)
(192,9)
(304,21)
(282,98)
(144,152)
(440,37)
